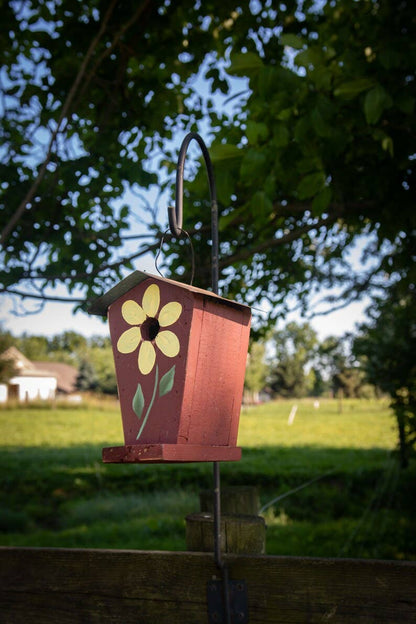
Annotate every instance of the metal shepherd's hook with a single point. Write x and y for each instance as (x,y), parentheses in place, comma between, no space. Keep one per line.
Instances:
(175,215)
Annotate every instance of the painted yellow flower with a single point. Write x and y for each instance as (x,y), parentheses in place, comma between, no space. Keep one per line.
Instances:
(148,328)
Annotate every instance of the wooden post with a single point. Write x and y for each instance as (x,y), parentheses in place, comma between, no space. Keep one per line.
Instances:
(240,534)
(242,530)
(239,499)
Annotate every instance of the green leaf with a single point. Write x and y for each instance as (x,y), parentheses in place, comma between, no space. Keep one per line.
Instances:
(254,165)
(353,87)
(285,114)
(311,184)
(376,100)
(268,80)
(225,182)
(387,145)
(244,64)
(292,41)
(167,381)
(320,126)
(226,219)
(138,401)
(281,135)
(260,203)
(312,56)
(321,201)
(256,131)
(224,152)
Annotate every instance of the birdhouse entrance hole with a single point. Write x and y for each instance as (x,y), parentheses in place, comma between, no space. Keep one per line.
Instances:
(150,329)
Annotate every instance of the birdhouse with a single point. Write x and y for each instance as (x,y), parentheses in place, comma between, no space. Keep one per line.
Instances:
(180,355)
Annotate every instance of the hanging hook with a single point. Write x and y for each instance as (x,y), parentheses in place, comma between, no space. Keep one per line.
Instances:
(175,213)
(175,223)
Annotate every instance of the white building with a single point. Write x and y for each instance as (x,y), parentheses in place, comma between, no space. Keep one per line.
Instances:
(35,380)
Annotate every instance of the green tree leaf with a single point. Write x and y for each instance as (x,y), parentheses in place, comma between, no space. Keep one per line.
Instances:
(321,200)
(167,381)
(376,100)
(253,165)
(244,64)
(281,135)
(224,152)
(353,88)
(311,184)
(256,131)
(138,401)
(292,41)
(261,204)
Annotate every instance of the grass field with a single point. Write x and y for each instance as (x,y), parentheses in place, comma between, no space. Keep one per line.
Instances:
(55,491)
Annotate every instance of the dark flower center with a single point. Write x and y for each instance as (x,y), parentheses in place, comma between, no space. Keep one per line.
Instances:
(150,329)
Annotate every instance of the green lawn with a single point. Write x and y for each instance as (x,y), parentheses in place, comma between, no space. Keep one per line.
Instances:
(55,491)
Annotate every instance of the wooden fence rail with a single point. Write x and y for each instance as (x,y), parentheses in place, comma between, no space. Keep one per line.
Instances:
(68,586)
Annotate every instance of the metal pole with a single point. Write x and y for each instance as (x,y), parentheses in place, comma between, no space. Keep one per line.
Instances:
(175,215)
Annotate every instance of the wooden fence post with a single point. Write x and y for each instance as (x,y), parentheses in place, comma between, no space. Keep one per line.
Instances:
(242,530)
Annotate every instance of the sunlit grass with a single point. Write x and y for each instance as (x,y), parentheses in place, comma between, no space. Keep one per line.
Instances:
(60,427)
(361,424)
(55,490)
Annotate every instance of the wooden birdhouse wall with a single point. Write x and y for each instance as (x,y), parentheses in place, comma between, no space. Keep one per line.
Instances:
(215,370)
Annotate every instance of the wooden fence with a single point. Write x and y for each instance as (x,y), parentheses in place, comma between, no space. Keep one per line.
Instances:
(68,586)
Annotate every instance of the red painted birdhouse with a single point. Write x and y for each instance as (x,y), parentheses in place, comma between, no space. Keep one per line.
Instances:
(180,355)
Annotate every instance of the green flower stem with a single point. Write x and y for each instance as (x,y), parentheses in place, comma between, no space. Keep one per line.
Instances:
(150,404)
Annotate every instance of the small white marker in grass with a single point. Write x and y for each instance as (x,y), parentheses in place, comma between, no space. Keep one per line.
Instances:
(292,415)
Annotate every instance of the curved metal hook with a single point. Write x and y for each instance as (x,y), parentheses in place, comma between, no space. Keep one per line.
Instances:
(175,223)
(175,213)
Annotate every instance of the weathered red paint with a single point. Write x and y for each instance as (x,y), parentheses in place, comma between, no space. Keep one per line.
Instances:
(198,419)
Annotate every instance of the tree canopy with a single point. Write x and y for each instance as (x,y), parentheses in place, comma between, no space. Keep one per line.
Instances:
(314,154)
(295,347)
(387,347)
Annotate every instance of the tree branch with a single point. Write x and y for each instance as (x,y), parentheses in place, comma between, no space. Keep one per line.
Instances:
(274,242)
(116,39)
(33,276)
(71,95)
(42,296)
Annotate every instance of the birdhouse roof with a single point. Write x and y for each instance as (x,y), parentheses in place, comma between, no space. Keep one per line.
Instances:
(100,306)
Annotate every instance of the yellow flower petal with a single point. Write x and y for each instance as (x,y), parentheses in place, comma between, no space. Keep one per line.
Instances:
(151,300)
(132,313)
(170,313)
(147,357)
(168,343)
(129,340)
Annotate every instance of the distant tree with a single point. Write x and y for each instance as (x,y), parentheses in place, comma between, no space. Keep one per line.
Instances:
(295,347)
(6,340)
(339,367)
(256,370)
(87,377)
(387,348)
(319,384)
(101,359)
(100,342)
(69,341)
(33,347)
(7,369)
